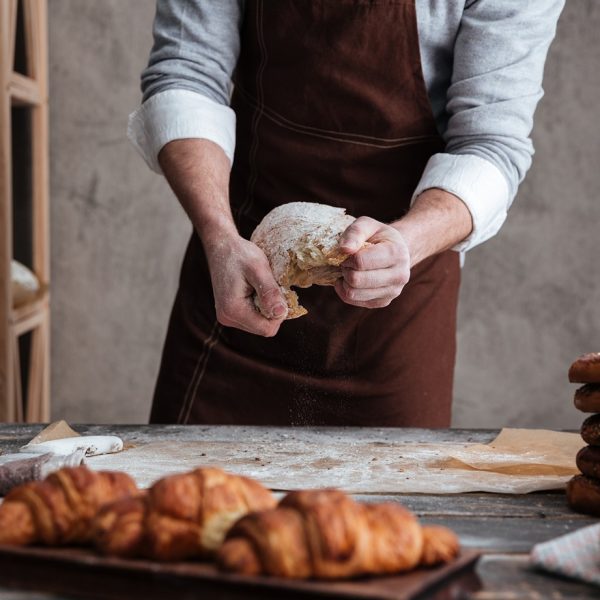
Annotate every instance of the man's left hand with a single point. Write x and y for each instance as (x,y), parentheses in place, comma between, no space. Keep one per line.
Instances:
(376,274)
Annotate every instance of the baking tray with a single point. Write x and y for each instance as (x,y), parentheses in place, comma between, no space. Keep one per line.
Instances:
(84,574)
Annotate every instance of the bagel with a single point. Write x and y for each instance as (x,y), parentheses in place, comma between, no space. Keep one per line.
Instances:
(301,240)
(583,495)
(587,398)
(590,431)
(588,461)
(586,369)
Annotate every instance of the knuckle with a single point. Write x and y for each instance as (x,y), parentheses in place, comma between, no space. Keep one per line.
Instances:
(269,330)
(269,294)
(350,294)
(352,278)
(364,220)
(223,318)
(359,262)
(227,313)
(381,302)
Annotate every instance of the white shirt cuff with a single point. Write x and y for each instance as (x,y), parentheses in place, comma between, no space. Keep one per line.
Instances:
(478,183)
(177,114)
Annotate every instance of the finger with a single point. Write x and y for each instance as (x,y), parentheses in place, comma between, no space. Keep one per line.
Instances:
(358,233)
(351,294)
(378,256)
(243,315)
(378,303)
(375,278)
(270,299)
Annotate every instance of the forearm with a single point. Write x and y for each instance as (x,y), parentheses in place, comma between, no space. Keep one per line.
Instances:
(436,222)
(198,172)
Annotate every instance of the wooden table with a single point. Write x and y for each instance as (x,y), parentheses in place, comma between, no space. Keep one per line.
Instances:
(504,527)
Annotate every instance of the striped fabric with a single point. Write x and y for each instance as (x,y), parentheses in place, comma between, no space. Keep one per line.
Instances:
(575,555)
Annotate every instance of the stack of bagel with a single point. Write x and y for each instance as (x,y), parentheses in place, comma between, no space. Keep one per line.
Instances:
(583,491)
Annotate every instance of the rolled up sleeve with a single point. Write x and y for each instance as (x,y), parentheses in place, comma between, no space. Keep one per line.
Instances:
(499,58)
(187,84)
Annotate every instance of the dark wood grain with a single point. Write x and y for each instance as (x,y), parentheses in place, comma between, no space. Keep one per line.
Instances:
(543,505)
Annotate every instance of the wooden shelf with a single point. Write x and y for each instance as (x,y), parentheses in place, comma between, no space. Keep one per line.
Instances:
(24,47)
(24,91)
(28,316)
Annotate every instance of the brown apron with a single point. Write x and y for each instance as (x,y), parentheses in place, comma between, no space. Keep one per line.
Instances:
(331,107)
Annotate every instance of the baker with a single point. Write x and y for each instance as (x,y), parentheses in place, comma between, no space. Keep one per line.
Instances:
(413,115)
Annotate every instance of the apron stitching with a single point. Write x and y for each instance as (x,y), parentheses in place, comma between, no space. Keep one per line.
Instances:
(407,142)
(336,135)
(209,347)
(245,207)
(186,398)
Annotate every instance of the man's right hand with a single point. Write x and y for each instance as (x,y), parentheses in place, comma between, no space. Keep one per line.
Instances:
(198,172)
(239,269)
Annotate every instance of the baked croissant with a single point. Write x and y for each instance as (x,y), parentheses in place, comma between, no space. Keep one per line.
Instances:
(59,510)
(182,516)
(324,534)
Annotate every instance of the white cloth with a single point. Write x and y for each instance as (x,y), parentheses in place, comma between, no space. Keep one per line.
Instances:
(575,555)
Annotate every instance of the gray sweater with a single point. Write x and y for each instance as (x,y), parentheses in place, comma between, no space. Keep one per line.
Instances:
(482,60)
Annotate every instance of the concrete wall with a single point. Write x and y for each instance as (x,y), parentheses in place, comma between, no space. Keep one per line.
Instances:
(530,297)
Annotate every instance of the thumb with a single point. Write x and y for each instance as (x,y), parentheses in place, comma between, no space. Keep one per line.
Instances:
(270,299)
(355,236)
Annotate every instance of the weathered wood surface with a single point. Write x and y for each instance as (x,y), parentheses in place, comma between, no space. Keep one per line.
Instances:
(14,435)
(357,460)
(503,526)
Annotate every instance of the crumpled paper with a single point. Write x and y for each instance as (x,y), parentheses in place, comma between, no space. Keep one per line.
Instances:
(522,452)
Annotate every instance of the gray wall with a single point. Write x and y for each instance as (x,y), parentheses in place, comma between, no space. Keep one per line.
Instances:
(530,297)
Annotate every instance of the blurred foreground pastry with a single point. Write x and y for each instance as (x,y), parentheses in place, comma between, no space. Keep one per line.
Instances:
(59,510)
(181,516)
(301,239)
(324,534)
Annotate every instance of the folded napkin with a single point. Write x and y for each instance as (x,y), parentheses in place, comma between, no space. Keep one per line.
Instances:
(575,555)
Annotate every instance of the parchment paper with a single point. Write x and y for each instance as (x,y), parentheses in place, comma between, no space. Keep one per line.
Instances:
(517,461)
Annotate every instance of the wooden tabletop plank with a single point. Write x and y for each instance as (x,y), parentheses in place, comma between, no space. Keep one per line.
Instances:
(543,505)
(505,534)
(14,434)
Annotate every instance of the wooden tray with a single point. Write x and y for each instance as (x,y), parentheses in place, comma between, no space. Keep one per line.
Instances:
(85,574)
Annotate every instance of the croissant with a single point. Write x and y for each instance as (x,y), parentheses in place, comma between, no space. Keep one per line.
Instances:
(324,534)
(182,516)
(59,510)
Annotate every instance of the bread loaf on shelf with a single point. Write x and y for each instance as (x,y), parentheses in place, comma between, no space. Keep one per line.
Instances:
(324,534)
(301,240)
(59,510)
(181,516)
(24,284)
